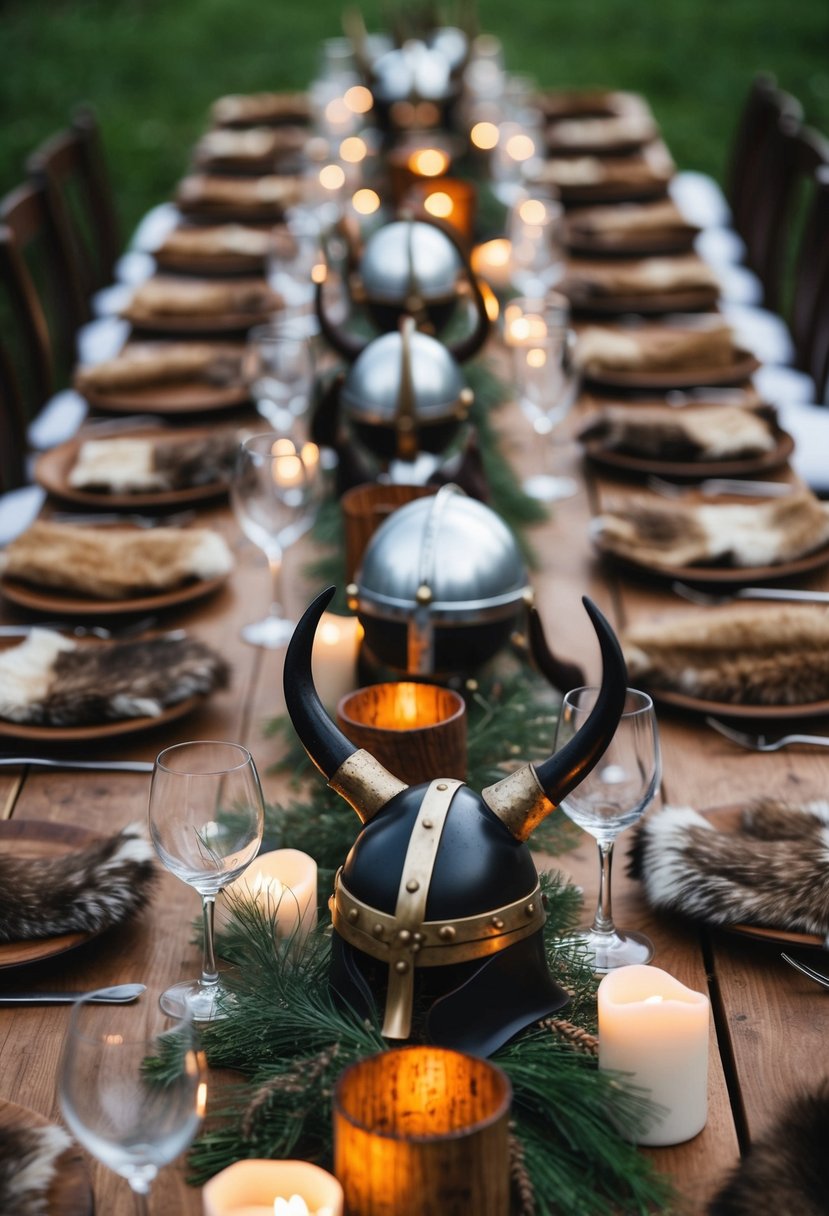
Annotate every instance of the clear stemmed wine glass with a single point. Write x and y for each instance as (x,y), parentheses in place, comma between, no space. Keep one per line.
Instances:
(206,816)
(130,1117)
(293,264)
(609,799)
(279,368)
(274,491)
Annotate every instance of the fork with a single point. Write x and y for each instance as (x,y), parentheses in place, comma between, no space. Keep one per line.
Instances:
(760,743)
(817,976)
(789,595)
(98,766)
(712,487)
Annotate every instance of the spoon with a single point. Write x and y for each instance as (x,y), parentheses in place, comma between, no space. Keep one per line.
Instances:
(121,994)
(817,976)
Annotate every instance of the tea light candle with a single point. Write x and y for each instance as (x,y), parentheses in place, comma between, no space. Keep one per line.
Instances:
(272,1188)
(448,199)
(334,657)
(284,885)
(417,731)
(655,1029)
(492,261)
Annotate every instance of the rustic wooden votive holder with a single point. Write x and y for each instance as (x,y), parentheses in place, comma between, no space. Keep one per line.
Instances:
(423,1129)
(416,731)
(365,508)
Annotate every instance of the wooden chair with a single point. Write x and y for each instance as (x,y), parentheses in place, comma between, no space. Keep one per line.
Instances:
(12,427)
(764,106)
(70,167)
(809,313)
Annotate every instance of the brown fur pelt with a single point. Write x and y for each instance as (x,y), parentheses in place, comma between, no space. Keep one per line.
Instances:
(695,432)
(114,563)
(136,465)
(78,892)
(773,871)
(48,680)
(669,533)
(604,349)
(28,1157)
(787,1170)
(740,654)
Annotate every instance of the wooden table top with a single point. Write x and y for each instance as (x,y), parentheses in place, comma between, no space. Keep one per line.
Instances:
(766,1031)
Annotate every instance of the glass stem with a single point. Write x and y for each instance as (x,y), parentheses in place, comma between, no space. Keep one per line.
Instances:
(142,1202)
(275,567)
(209,971)
(603,920)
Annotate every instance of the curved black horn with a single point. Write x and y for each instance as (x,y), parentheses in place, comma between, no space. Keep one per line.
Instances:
(322,739)
(526,796)
(565,769)
(364,783)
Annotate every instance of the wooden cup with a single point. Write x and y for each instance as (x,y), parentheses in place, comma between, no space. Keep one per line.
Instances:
(416,731)
(365,508)
(423,1129)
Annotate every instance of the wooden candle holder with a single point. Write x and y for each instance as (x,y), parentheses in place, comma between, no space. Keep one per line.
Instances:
(365,508)
(422,1129)
(416,731)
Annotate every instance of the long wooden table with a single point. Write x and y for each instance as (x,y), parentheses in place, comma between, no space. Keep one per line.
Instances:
(766,1032)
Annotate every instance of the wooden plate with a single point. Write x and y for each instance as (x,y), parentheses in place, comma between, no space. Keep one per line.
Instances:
(608,458)
(53,468)
(727,709)
(208,265)
(171,399)
(700,299)
(741,367)
(70,1193)
(35,838)
(102,730)
(732,576)
(56,604)
(586,245)
(215,323)
(726,819)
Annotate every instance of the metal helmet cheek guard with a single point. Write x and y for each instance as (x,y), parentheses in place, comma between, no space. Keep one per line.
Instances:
(439,895)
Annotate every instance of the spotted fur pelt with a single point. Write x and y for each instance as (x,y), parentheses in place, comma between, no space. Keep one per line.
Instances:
(773,871)
(657,534)
(49,680)
(742,654)
(787,1170)
(84,891)
(696,432)
(28,1157)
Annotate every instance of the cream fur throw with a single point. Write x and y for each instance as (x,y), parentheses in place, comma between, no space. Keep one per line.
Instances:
(138,465)
(114,563)
(28,1163)
(602,349)
(652,276)
(167,296)
(148,364)
(670,534)
(741,654)
(695,432)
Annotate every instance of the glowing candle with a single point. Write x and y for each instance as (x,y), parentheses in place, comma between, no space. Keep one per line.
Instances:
(334,657)
(273,1188)
(492,261)
(284,885)
(655,1029)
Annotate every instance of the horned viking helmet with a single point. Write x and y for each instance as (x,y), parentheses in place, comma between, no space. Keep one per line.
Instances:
(440,881)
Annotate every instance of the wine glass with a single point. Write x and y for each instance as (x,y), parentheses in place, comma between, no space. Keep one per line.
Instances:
(279,368)
(115,1099)
(294,264)
(546,378)
(534,230)
(274,490)
(206,816)
(609,799)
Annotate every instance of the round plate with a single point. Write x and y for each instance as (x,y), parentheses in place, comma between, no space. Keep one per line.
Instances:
(727,709)
(701,299)
(741,367)
(596,451)
(33,838)
(53,468)
(582,244)
(171,399)
(216,323)
(70,1192)
(208,265)
(60,604)
(731,576)
(102,730)
(727,819)
(613,192)
(227,213)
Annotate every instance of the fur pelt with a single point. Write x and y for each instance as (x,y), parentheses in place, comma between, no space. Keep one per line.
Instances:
(168,296)
(653,275)
(28,1157)
(774,871)
(695,432)
(136,465)
(787,1170)
(669,533)
(740,654)
(50,680)
(114,563)
(666,349)
(143,365)
(79,892)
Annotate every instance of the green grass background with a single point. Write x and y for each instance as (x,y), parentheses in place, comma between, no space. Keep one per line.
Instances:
(151,67)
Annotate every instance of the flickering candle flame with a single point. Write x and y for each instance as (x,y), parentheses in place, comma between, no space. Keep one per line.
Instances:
(520,147)
(532,211)
(492,261)
(358,99)
(536,357)
(365,201)
(353,150)
(288,472)
(428,162)
(490,300)
(521,329)
(283,885)
(332,177)
(256,1188)
(406,711)
(485,135)
(439,204)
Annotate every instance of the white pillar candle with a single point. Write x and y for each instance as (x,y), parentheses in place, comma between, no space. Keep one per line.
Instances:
(655,1029)
(334,657)
(284,885)
(263,1188)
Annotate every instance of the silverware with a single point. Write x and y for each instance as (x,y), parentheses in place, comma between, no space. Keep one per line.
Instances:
(121,994)
(760,743)
(817,976)
(713,487)
(788,595)
(103,766)
(82,631)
